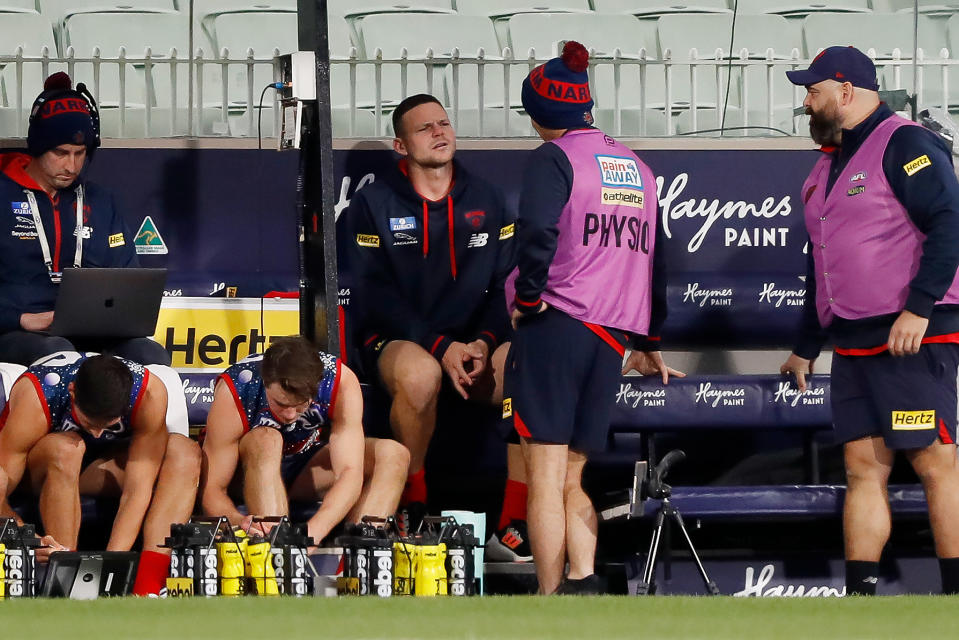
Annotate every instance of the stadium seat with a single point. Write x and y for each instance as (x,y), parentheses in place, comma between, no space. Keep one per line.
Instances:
(751,122)
(33,33)
(442,34)
(797,8)
(359,8)
(262,32)
(164,122)
(57,11)
(364,124)
(653,8)
(135,32)
(707,34)
(603,34)
(501,10)
(929,7)
(885,32)
(466,122)
(18,6)
(880,31)
(498,8)
(28,30)
(633,122)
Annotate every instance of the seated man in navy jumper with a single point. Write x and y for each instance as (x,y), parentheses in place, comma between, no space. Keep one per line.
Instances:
(53,219)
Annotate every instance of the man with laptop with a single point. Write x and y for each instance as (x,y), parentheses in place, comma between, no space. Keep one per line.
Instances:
(87,424)
(52,220)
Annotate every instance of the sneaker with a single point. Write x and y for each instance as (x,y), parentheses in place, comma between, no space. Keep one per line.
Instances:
(588,586)
(510,544)
(409,518)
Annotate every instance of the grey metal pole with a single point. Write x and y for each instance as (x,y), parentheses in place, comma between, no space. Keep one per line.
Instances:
(189,91)
(319,317)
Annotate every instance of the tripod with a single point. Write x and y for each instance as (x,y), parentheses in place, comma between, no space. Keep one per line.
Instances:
(656,488)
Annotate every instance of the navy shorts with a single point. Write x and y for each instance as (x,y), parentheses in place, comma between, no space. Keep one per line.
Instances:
(560,381)
(293,465)
(910,401)
(369,356)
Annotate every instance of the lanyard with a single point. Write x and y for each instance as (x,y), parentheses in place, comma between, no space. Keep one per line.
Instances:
(55,276)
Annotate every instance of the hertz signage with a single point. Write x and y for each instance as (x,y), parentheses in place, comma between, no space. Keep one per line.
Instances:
(209,334)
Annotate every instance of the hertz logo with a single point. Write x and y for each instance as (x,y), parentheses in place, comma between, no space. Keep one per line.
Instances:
(916,165)
(365,240)
(913,420)
(507,231)
(507,407)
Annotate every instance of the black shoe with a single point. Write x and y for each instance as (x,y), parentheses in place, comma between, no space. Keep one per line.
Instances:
(410,517)
(588,586)
(510,544)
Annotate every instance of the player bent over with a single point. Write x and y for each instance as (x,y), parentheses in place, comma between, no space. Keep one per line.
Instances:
(88,424)
(291,420)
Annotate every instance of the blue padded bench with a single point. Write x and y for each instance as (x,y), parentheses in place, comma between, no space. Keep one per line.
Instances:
(644,406)
(781,501)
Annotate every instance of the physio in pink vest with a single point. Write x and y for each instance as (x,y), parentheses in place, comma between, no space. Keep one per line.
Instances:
(882,213)
(589,283)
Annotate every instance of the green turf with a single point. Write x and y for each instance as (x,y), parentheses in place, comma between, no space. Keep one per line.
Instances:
(490,617)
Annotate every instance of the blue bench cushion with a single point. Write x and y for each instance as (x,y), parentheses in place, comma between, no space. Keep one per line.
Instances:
(772,501)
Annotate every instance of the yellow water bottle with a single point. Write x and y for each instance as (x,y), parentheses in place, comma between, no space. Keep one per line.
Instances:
(404,562)
(259,568)
(232,573)
(431,570)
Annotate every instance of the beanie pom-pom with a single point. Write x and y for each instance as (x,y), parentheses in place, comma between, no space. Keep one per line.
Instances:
(575,56)
(58,81)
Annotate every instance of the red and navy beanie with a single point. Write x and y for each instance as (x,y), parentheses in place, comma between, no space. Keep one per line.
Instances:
(556,93)
(60,115)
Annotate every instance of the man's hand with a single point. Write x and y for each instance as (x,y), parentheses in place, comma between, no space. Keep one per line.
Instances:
(36,321)
(47,546)
(648,363)
(798,367)
(454,364)
(517,314)
(477,364)
(906,334)
(252,529)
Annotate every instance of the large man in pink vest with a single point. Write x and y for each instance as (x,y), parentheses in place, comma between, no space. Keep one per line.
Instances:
(586,285)
(882,212)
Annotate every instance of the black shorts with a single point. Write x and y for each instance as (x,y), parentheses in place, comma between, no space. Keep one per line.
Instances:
(97,449)
(560,381)
(910,401)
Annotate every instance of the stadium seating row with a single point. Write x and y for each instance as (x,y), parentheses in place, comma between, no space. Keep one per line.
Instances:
(631,97)
(60,8)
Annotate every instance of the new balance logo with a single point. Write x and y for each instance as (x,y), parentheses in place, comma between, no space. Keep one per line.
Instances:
(512,539)
(478,240)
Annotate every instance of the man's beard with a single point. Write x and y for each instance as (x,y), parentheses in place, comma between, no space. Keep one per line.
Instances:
(824,127)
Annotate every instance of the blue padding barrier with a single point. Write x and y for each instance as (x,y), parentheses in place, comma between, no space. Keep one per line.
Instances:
(643,403)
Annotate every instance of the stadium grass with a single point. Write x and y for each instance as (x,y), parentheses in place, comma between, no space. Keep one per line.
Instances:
(517,617)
